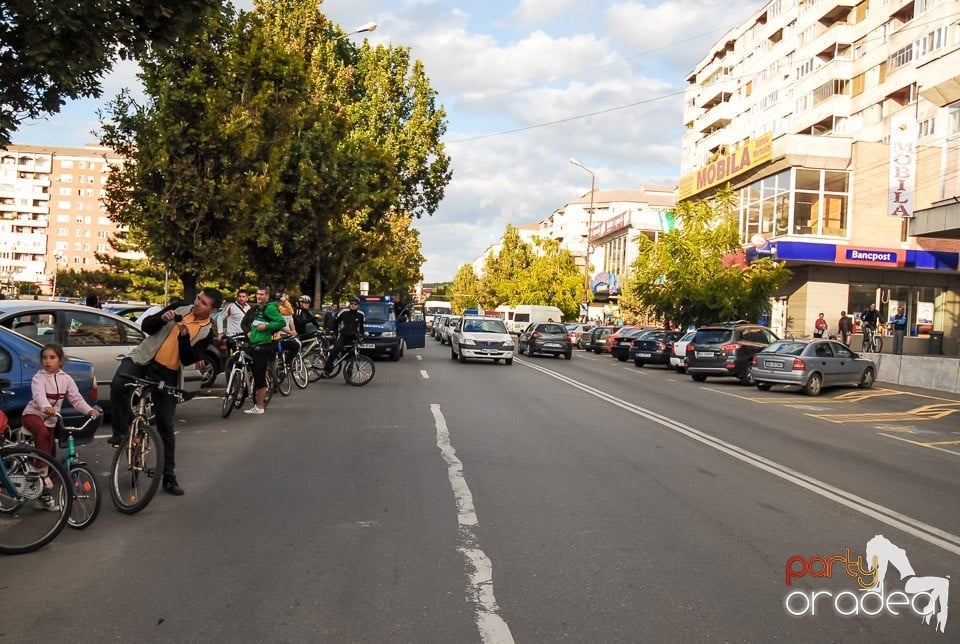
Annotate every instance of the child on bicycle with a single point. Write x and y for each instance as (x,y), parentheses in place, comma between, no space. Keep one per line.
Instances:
(49,387)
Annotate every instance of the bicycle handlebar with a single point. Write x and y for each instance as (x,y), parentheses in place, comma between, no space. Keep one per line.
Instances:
(90,418)
(145,383)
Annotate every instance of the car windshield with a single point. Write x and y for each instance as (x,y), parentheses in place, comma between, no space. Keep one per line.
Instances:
(713,336)
(484,326)
(551,328)
(786,347)
(655,335)
(377,311)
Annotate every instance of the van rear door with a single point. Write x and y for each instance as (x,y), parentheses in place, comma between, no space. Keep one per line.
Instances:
(413,333)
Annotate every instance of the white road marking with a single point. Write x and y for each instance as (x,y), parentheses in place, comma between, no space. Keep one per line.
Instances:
(924,531)
(419,357)
(424,374)
(493,629)
(919,444)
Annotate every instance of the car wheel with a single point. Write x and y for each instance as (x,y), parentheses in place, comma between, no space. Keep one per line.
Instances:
(395,353)
(699,377)
(764,386)
(621,357)
(208,371)
(556,355)
(496,361)
(680,369)
(638,363)
(453,354)
(530,350)
(814,385)
(746,378)
(508,361)
(867,379)
(568,355)
(460,357)
(598,351)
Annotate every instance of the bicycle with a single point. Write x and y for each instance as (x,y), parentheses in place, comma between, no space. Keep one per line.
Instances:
(358,369)
(83,482)
(138,462)
(240,377)
(24,528)
(314,353)
(283,367)
(872,340)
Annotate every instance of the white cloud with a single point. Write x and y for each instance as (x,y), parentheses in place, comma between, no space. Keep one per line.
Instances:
(530,12)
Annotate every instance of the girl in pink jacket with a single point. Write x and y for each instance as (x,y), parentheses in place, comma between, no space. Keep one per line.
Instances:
(50,386)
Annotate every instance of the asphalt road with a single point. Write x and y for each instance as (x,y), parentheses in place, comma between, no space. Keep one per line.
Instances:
(583,501)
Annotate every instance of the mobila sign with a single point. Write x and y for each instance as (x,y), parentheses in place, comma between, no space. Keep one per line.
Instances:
(726,167)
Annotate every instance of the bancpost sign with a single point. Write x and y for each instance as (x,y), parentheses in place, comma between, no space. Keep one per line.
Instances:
(724,168)
(870,256)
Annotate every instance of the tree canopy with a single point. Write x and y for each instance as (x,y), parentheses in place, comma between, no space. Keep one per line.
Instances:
(686,277)
(52,51)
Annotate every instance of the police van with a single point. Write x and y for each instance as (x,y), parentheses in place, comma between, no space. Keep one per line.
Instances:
(388,331)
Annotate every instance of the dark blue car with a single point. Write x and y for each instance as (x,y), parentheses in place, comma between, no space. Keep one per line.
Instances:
(19,360)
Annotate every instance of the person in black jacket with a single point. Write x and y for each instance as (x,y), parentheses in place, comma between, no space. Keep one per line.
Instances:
(349,328)
(330,319)
(303,320)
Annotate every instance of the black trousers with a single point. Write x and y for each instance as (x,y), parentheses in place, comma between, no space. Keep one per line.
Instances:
(164,406)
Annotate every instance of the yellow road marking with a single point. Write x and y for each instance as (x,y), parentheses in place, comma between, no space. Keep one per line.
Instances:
(943,443)
(863,394)
(927,445)
(924,412)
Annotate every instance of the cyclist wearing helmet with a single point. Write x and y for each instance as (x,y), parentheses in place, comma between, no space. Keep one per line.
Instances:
(349,327)
(303,320)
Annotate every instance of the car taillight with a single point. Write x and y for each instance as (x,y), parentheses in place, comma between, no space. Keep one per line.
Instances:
(661,346)
(731,347)
(753,361)
(568,337)
(690,348)
(799,365)
(94,394)
(536,335)
(611,340)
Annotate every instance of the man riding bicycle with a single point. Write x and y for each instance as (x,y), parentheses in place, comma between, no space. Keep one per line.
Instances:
(349,327)
(870,319)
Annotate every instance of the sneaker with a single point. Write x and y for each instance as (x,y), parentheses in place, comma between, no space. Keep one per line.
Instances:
(39,470)
(116,440)
(253,410)
(47,502)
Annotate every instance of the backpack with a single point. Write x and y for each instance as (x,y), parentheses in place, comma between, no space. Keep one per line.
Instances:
(247,322)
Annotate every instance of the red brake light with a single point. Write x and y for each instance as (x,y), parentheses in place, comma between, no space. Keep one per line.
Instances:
(753,361)
(731,347)
(661,346)
(94,394)
(536,334)
(568,337)
(690,348)
(799,365)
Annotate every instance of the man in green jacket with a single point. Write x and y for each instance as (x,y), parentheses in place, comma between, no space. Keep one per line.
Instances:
(268,321)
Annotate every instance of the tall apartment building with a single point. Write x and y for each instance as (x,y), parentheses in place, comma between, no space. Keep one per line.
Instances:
(51,214)
(797,110)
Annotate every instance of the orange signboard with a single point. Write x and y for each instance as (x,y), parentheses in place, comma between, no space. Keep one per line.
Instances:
(724,168)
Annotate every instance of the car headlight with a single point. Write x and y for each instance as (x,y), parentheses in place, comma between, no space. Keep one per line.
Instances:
(468,341)
(389,334)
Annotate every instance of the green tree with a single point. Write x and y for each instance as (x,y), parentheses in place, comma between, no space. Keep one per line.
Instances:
(684,276)
(394,264)
(505,272)
(554,279)
(52,51)
(467,290)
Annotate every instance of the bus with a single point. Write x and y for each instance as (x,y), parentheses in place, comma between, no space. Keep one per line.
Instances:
(435,307)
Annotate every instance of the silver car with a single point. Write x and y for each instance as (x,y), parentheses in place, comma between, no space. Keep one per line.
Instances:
(811,364)
(91,334)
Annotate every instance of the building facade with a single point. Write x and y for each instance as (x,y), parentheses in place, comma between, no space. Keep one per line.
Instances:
(51,211)
(835,123)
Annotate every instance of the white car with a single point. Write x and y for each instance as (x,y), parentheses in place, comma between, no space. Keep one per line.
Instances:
(678,357)
(481,337)
(448,324)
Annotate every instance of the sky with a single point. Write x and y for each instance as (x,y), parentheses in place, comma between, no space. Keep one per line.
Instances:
(526,85)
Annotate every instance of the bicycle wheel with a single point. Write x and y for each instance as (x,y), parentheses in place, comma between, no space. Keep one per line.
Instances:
(314,364)
(284,379)
(231,393)
(86,498)
(877,344)
(866,347)
(271,385)
(25,525)
(298,371)
(137,467)
(358,371)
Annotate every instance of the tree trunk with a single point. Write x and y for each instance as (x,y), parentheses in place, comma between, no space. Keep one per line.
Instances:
(189,281)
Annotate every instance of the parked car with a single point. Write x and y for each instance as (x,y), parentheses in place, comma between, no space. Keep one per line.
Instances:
(439,321)
(91,334)
(131,312)
(448,323)
(597,341)
(481,337)
(654,347)
(621,339)
(20,360)
(545,337)
(811,364)
(576,332)
(727,349)
(678,355)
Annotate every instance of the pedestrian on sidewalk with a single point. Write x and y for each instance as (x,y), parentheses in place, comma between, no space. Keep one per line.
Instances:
(845,328)
(899,322)
(820,327)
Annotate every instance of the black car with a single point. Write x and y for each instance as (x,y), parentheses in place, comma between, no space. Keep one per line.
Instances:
(545,337)
(596,340)
(654,347)
(622,338)
(727,349)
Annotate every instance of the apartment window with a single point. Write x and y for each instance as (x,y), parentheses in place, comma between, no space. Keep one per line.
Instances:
(900,58)
(77,247)
(103,248)
(89,192)
(927,126)
(63,205)
(859,82)
(78,220)
(103,221)
(62,219)
(79,205)
(61,232)
(953,119)
(65,192)
(66,165)
(66,178)
(83,165)
(861,11)
(103,234)
(78,233)
(805,68)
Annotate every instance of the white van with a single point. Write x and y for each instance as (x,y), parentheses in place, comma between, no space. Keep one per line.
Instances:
(524,314)
(505,313)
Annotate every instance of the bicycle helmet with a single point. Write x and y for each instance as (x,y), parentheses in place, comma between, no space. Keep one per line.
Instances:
(355,300)
(306,298)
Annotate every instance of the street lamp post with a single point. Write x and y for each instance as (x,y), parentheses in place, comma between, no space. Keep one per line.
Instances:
(56,269)
(586,253)
(370,26)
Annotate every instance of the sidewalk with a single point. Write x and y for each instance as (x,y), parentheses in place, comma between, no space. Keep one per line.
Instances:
(940,373)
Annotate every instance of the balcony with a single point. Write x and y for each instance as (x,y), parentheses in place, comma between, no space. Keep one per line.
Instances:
(717,117)
(716,92)
(834,106)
